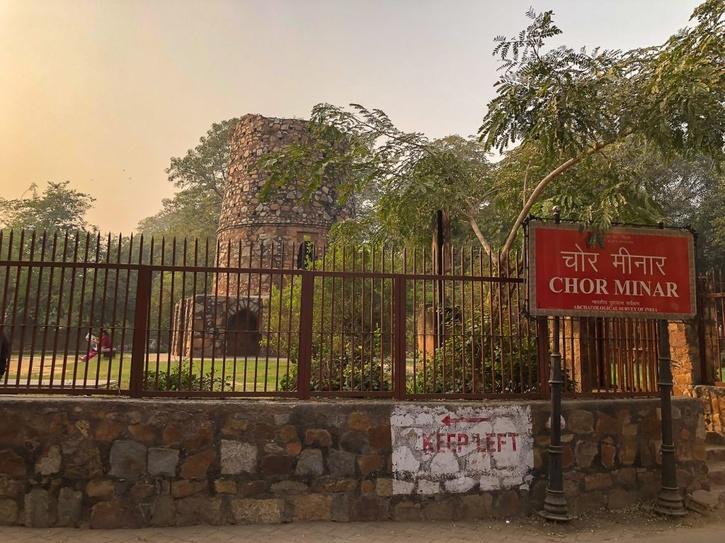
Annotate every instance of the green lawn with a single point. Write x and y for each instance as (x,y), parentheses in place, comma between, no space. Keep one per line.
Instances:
(242,377)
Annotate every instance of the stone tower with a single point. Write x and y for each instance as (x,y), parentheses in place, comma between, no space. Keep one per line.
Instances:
(269,229)
(254,233)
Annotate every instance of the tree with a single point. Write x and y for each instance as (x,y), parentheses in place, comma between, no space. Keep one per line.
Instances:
(569,123)
(201,176)
(58,207)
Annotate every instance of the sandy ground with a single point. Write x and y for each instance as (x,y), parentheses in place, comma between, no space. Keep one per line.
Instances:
(635,526)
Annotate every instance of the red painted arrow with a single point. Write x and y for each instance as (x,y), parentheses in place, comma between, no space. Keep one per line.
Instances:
(447,420)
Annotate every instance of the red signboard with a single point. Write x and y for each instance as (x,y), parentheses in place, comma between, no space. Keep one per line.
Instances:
(635,272)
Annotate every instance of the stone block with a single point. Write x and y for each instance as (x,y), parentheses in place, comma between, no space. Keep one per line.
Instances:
(628,450)
(312,507)
(266,511)
(309,463)
(359,421)
(252,488)
(162,461)
(225,486)
(39,509)
(10,488)
(380,438)
(579,421)
(442,509)
(12,464)
(275,465)
(597,481)
(128,459)
(142,490)
(144,433)
(608,425)
(407,511)
(273,448)
(197,465)
(369,507)
(287,488)
(49,462)
(8,512)
(82,460)
(287,433)
(108,515)
(318,437)
(69,506)
(107,431)
(384,487)
(626,477)
(163,511)
(329,484)
(100,488)
(341,463)
(355,442)
(585,451)
(340,509)
(234,425)
(196,510)
(508,504)
(367,486)
(475,507)
(184,488)
(370,463)
(608,452)
(238,457)
(293,448)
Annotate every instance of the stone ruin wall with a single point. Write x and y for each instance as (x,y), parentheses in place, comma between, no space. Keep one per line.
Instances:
(267,233)
(254,233)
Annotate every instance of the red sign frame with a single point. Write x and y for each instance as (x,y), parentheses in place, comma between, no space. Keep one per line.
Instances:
(639,272)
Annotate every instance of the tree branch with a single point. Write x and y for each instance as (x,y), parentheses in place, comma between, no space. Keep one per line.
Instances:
(481,239)
(541,185)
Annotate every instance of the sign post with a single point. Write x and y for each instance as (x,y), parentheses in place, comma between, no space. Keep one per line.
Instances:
(633,272)
(555,506)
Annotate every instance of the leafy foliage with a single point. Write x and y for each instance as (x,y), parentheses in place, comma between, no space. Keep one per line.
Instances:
(185,378)
(58,207)
(572,125)
(201,176)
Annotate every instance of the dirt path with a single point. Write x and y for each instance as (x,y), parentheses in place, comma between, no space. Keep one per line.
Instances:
(632,526)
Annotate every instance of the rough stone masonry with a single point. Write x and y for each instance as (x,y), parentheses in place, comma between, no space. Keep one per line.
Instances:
(254,232)
(112,463)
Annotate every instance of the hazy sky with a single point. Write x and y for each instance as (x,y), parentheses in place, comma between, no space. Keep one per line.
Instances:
(104,92)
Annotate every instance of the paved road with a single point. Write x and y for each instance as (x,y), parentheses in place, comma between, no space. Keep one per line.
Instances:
(634,529)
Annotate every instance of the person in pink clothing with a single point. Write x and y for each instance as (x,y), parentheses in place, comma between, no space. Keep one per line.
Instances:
(104,345)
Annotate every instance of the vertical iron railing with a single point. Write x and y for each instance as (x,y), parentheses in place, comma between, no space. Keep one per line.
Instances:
(188,318)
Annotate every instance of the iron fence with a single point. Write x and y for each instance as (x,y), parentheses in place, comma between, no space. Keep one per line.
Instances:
(714,298)
(87,314)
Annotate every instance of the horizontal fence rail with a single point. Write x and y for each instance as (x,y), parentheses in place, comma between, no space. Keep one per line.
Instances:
(87,314)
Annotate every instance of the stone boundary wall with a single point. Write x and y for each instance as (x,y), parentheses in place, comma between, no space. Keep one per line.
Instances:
(112,463)
(713,402)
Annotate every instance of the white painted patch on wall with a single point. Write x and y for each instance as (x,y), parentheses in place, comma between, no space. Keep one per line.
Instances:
(470,448)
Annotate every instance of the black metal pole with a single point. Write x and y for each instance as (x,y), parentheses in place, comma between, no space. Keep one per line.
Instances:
(669,498)
(439,313)
(555,506)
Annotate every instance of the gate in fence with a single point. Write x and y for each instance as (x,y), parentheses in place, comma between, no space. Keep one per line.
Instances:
(92,315)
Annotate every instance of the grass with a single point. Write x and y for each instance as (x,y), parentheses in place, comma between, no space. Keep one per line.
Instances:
(244,378)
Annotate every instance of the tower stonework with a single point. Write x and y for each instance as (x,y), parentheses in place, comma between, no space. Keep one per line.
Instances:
(254,233)
(258,232)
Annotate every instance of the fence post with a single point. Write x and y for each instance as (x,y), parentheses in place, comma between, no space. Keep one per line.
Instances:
(542,353)
(304,364)
(399,330)
(140,330)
